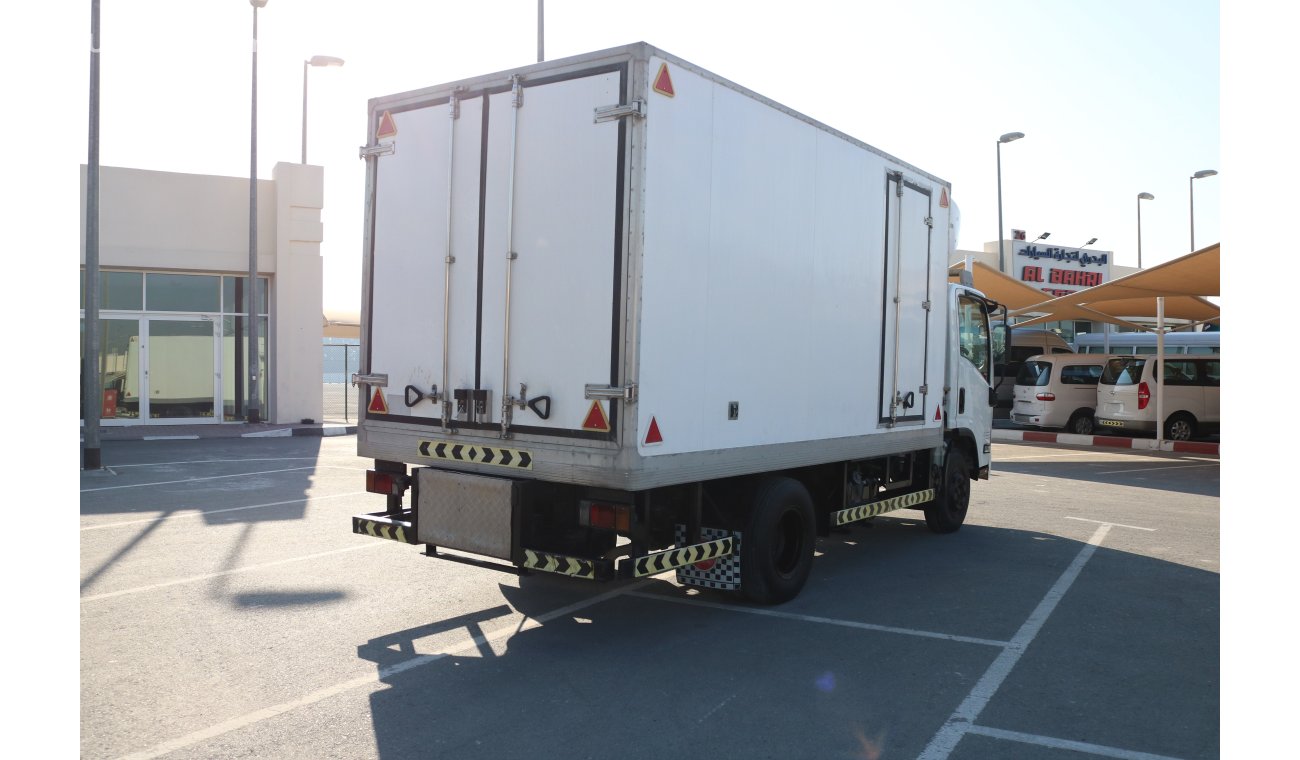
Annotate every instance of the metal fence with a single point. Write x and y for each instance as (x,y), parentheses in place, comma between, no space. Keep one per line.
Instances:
(340,398)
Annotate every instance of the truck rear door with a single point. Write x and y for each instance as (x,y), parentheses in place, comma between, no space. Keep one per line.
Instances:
(496,260)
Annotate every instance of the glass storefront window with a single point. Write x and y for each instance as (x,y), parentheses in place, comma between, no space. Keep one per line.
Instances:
(182,292)
(117,290)
(234,369)
(234,295)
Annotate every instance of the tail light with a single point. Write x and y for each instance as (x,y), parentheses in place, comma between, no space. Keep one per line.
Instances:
(1144,395)
(387,483)
(1046,397)
(597,514)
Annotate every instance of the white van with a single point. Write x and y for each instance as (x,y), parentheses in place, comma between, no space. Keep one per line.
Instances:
(1025,342)
(1058,391)
(1126,395)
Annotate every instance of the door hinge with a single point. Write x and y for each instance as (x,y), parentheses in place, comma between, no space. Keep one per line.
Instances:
(380,381)
(516,91)
(929,222)
(375,151)
(925,305)
(625,392)
(925,389)
(610,113)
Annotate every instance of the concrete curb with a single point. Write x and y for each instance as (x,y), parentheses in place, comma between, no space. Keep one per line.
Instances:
(1106,441)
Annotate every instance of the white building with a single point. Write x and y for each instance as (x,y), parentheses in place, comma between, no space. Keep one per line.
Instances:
(173,256)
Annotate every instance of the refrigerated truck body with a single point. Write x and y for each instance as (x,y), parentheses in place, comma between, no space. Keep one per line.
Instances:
(622,316)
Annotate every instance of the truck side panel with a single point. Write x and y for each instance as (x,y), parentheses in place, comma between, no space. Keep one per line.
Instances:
(764,277)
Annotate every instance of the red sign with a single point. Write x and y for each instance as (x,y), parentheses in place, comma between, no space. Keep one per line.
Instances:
(377,403)
(109,409)
(387,127)
(664,83)
(596,419)
(653,435)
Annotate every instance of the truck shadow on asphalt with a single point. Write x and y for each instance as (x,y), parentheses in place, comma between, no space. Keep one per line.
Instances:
(863,663)
(260,496)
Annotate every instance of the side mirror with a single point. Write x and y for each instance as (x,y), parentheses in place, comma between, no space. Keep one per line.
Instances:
(1001,335)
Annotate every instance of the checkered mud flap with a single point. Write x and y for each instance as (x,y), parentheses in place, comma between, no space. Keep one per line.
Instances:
(722,574)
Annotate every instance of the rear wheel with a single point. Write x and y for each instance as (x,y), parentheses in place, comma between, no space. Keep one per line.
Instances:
(776,549)
(948,511)
(1081,423)
(1180,427)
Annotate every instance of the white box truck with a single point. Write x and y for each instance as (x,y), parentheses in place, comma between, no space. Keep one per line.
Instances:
(622,316)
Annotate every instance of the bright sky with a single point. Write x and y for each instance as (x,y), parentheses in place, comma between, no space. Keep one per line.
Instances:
(1114,97)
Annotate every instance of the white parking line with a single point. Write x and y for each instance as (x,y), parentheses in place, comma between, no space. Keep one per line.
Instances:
(1066,744)
(215,461)
(524,623)
(765,612)
(1103,522)
(962,719)
(1051,456)
(196,480)
(197,512)
(1168,467)
(209,576)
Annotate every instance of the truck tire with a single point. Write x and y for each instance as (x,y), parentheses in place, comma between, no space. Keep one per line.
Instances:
(776,549)
(948,510)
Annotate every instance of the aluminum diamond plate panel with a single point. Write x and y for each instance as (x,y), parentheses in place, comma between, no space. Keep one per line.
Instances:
(472,513)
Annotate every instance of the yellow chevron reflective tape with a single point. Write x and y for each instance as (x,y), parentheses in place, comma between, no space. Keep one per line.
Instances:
(653,564)
(455,451)
(863,511)
(575,567)
(378,529)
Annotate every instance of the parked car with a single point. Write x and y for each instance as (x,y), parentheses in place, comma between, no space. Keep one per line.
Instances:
(1025,342)
(1126,395)
(1058,391)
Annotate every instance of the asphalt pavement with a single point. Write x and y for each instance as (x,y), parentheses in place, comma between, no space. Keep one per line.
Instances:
(227,610)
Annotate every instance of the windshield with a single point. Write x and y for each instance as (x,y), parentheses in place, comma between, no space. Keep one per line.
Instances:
(1034,373)
(1126,370)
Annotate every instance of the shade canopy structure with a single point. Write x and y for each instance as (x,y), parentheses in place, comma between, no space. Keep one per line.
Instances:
(1183,283)
(341,324)
(1194,275)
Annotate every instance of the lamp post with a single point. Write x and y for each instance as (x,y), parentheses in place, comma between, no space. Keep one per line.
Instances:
(1141,197)
(92,397)
(1090,242)
(1191,206)
(251,290)
(316,60)
(1008,137)
(1043,236)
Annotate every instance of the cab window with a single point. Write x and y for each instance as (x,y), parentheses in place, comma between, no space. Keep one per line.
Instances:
(973,332)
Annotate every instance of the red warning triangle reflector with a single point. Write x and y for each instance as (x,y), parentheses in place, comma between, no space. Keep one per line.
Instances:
(387,127)
(938,413)
(596,419)
(377,402)
(664,83)
(653,435)
(943,197)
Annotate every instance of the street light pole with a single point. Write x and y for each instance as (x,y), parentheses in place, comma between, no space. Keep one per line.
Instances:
(1008,137)
(315,60)
(1141,197)
(251,291)
(92,396)
(1191,205)
(541,27)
